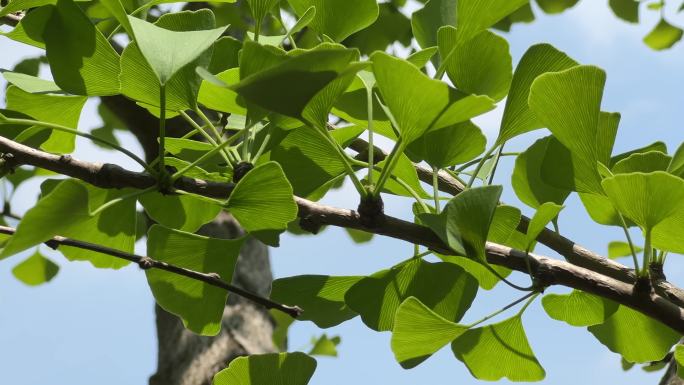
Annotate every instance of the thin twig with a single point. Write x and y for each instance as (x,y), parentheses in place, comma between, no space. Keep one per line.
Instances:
(150,263)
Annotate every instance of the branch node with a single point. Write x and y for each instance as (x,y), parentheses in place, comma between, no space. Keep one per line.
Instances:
(146,263)
(214,275)
(642,286)
(53,244)
(656,272)
(371,212)
(240,170)
(66,158)
(310,223)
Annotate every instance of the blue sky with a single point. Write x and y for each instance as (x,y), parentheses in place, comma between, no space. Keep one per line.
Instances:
(98,325)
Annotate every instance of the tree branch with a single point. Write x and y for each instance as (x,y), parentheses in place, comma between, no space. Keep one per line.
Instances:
(313,215)
(146,263)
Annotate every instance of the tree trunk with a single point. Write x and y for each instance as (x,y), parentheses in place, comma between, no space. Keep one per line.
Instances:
(185,358)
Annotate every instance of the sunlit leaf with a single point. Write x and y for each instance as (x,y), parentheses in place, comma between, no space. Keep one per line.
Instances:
(663,36)
(266,369)
(578,308)
(35,270)
(198,304)
(338,19)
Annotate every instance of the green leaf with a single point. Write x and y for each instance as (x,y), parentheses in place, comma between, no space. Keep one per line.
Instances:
(443,287)
(30,83)
(469,216)
(568,103)
(481,65)
(260,8)
(324,346)
(263,199)
(416,108)
(655,146)
(62,110)
(35,270)
(500,350)
(663,36)
(81,59)
(578,308)
(637,337)
(422,57)
(303,21)
(448,146)
(428,20)
(138,79)
(643,162)
(266,369)
(518,118)
(391,27)
(320,296)
(556,6)
(168,51)
(406,171)
(679,358)
(527,180)
(296,79)
(676,166)
(282,325)
(182,212)
(338,19)
(198,304)
(545,213)
(474,16)
(627,10)
(619,249)
(419,332)
(66,211)
(647,199)
(359,236)
(502,230)
(220,98)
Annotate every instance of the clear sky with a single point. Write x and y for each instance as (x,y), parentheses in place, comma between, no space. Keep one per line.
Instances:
(91,325)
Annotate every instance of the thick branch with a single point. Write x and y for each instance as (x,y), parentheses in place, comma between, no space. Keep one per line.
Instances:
(150,263)
(314,215)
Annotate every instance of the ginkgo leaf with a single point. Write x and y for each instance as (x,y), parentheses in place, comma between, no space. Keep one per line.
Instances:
(578,308)
(263,200)
(57,109)
(297,79)
(663,36)
(443,287)
(260,9)
(538,59)
(637,337)
(426,21)
(646,199)
(168,51)
(448,146)
(569,103)
(266,369)
(419,332)
(556,6)
(642,162)
(679,358)
(65,210)
(422,57)
(81,59)
(481,65)
(320,296)
(197,303)
(416,107)
(138,80)
(324,346)
(619,249)
(527,180)
(676,166)
(31,84)
(627,10)
(500,350)
(469,215)
(182,212)
(545,213)
(35,270)
(474,16)
(338,19)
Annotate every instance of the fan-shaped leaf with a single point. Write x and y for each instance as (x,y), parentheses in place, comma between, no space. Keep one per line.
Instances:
(338,19)
(35,270)
(198,304)
(578,308)
(268,369)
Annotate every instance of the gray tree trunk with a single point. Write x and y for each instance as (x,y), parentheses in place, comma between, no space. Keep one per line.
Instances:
(185,358)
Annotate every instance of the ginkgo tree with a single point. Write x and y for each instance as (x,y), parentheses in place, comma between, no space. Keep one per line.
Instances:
(275,110)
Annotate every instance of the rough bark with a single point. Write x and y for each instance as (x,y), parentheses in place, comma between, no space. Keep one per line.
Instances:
(183,357)
(188,359)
